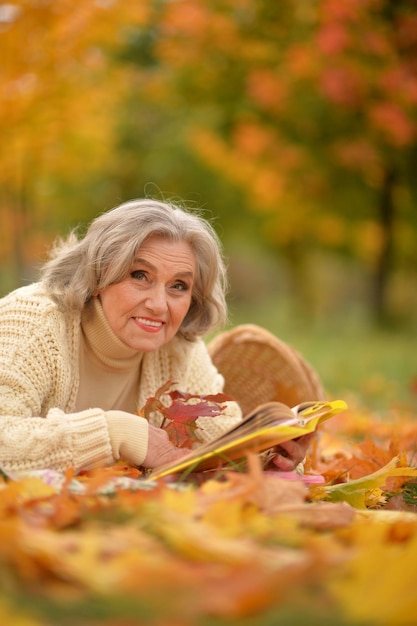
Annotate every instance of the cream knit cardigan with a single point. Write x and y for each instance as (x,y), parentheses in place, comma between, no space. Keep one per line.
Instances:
(39,380)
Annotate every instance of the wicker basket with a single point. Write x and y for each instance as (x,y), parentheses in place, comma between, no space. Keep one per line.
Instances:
(258,367)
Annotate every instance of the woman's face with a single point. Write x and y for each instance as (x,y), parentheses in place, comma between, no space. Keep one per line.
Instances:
(145,309)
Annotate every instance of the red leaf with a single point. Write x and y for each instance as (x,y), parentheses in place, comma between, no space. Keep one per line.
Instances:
(181,414)
(206,406)
(182,434)
(154,403)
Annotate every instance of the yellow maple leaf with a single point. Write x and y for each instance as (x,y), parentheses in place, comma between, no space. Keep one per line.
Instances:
(358,493)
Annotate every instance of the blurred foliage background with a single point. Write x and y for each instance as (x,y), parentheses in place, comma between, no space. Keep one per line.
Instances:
(291,124)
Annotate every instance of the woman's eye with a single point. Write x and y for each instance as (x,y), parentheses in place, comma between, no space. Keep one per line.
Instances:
(180,286)
(138,274)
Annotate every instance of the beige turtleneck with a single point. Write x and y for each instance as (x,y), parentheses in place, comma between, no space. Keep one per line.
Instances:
(109,370)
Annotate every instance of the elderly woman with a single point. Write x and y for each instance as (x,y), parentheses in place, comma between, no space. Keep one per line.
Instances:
(114,316)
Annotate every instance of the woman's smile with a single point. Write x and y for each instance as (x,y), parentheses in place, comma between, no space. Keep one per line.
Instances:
(152,326)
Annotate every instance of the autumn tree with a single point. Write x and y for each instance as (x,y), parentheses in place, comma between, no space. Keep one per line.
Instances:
(58,89)
(307,108)
(297,116)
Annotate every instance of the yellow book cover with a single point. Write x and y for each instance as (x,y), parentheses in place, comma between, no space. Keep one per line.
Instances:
(267,426)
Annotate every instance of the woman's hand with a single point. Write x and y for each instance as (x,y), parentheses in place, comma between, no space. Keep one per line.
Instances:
(160,449)
(289,454)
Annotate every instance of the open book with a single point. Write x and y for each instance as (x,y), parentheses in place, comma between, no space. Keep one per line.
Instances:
(267,426)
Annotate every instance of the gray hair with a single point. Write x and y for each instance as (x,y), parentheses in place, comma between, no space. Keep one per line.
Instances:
(79,267)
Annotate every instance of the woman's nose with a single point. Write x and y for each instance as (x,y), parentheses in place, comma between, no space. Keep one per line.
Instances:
(156,300)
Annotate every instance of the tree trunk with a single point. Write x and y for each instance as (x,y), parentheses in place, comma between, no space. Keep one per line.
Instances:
(384,261)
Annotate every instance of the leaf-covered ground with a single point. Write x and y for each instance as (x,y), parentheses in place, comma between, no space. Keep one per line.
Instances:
(338,547)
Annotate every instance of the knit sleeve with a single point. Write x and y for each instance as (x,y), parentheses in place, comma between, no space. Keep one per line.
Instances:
(59,441)
(37,429)
(31,439)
